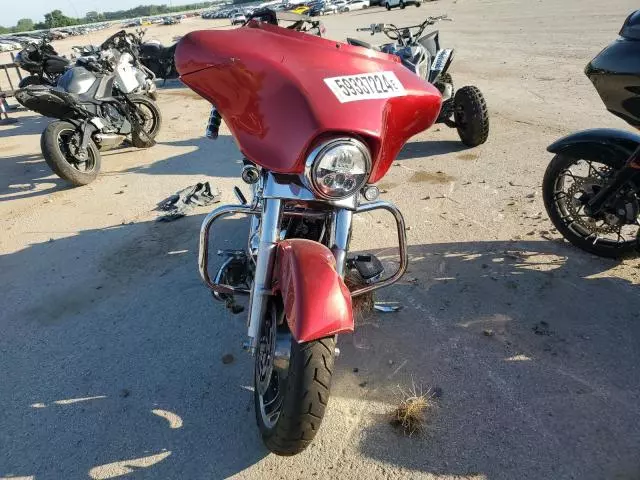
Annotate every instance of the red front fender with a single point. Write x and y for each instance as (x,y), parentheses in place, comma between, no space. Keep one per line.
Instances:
(317,303)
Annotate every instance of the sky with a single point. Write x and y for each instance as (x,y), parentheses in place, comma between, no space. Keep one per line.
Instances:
(35,9)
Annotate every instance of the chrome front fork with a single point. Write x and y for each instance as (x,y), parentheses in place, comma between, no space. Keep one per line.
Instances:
(261,289)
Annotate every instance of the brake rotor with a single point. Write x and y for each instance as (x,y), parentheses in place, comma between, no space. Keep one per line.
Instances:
(612,221)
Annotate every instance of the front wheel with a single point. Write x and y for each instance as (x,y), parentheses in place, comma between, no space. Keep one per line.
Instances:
(402,5)
(290,402)
(471,116)
(388,6)
(569,183)
(59,144)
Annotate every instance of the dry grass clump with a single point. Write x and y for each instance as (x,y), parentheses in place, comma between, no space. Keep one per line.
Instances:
(413,408)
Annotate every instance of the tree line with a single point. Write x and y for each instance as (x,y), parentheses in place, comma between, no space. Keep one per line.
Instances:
(56,18)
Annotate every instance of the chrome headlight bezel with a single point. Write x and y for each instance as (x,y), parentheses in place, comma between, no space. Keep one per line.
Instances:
(313,161)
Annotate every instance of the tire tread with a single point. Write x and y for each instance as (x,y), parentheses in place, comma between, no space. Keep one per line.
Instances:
(306,398)
(480,114)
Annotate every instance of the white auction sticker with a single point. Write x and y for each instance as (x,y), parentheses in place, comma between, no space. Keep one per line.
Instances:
(365,86)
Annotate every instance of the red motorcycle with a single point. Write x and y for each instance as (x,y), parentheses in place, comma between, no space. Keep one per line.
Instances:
(319,122)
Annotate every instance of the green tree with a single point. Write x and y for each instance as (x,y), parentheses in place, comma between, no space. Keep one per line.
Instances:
(93,17)
(57,19)
(24,25)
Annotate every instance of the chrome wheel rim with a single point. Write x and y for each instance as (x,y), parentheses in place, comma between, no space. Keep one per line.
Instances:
(269,381)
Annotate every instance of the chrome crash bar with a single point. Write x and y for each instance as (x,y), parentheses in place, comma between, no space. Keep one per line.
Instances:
(339,243)
(203,250)
(402,244)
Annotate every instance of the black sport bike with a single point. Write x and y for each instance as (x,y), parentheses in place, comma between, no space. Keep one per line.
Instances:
(591,188)
(42,62)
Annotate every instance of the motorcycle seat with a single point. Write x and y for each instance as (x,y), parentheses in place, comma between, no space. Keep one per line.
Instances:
(360,43)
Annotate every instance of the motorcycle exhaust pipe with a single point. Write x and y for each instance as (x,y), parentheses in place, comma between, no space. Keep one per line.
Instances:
(108,141)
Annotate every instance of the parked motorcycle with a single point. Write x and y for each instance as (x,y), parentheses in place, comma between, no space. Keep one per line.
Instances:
(123,42)
(591,187)
(156,57)
(318,131)
(46,66)
(42,62)
(297,22)
(467,109)
(93,115)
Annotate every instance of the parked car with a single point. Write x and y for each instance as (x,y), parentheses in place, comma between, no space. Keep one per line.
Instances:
(7,46)
(238,18)
(301,10)
(355,5)
(389,4)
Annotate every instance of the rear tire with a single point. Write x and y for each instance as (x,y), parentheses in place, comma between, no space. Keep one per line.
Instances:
(54,145)
(471,116)
(447,106)
(303,401)
(153,121)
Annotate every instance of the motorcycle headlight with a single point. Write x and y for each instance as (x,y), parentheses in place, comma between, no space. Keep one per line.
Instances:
(338,168)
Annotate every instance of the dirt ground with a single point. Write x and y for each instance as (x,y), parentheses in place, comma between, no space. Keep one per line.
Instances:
(111,348)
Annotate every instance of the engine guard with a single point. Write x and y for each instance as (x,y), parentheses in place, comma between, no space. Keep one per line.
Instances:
(317,303)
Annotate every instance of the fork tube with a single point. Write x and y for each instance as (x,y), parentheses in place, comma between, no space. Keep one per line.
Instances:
(339,242)
(261,289)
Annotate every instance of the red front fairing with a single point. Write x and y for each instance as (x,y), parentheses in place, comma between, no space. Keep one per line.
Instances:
(267,83)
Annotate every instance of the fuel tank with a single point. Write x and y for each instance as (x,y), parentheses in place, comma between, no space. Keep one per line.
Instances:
(77,80)
(615,72)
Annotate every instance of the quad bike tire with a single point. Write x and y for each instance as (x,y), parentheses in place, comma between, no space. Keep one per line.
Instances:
(57,158)
(471,116)
(447,106)
(147,139)
(305,398)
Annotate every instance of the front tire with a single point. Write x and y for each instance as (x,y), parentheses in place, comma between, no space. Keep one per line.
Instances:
(55,143)
(575,228)
(290,410)
(402,5)
(388,6)
(471,116)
